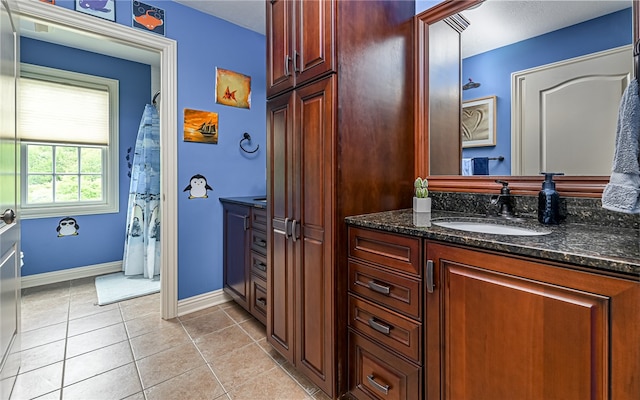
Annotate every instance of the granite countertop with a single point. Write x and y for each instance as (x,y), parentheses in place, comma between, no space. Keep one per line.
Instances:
(601,248)
(258,201)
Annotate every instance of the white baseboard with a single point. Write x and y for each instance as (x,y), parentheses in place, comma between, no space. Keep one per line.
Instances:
(70,274)
(202,301)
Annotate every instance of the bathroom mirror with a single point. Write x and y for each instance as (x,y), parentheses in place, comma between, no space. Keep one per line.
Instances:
(438,101)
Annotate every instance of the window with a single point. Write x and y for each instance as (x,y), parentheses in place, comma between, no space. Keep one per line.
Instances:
(68,128)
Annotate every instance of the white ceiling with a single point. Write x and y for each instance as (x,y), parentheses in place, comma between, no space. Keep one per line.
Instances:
(249,14)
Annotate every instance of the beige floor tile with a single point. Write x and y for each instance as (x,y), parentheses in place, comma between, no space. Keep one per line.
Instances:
(140,306)
(41,356)
(149,323)
(220,342)
(272,384)
(238,366)
(168,364)
(37,382)
(50,396)
(273,353)
(45,316)
(96,362)
(137,396)
(38,337)
(199,313)
(52,290)
(254,328)
(95,339)
(93,322)
(207,324)
(170,335)
(197,384)
(114,384)
(237,313)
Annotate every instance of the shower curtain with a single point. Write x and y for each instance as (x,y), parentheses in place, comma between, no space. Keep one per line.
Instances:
(142,243)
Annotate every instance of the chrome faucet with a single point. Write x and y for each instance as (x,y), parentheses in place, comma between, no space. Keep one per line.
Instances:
(503,201)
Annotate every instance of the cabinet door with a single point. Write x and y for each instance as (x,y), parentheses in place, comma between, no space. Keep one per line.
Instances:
(280,256)
(279,46)
(314,39)
(312,235)
(515,329)
(236,269)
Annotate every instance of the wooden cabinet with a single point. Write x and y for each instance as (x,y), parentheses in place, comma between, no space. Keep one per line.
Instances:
(510,328)
(299,42)
(244,261)
(337,143)
(385,315)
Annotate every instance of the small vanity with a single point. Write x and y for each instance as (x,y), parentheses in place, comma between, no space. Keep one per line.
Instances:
(441,313)
(245,253)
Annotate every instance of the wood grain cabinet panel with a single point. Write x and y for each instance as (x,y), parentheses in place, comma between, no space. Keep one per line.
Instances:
(393,251)
(516,329)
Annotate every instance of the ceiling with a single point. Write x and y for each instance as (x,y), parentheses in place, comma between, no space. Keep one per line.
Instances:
(249,14)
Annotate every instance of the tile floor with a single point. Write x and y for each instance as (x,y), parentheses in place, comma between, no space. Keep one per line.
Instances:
(74,349)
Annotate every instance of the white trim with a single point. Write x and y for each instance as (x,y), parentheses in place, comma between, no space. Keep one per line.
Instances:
(167,51)
(202,301)
(70,274)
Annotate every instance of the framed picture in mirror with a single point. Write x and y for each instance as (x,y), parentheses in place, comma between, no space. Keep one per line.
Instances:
(99,8)
(478,126)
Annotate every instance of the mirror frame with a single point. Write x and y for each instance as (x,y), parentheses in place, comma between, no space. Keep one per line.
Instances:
(570,186)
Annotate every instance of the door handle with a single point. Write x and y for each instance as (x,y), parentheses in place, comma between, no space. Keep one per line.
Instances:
(293,230)
(430,282)
(296,57)
(287,60)
(245,219)
(286,228)
(9,216)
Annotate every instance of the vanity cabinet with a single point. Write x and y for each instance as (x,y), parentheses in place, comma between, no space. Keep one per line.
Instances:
(385,315)
(337,144)
(503,327)
(244,260)
(299,42)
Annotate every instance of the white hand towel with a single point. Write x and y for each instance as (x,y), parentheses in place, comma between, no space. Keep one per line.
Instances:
(622,193)
(467,166)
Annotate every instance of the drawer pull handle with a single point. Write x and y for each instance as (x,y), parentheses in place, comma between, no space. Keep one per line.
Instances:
(379,288)
(383,388)
(261,266)
(382,328)
(261,301)
(261,243)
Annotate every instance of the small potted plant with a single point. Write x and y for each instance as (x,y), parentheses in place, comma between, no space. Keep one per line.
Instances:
(421,199)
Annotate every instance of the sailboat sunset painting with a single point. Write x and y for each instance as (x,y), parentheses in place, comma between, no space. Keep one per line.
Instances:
(233,89)
(200,126)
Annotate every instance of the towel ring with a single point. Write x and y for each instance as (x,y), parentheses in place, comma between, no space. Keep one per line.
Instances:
(246,136)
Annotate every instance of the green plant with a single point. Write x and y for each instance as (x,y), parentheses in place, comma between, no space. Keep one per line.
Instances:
(421,186)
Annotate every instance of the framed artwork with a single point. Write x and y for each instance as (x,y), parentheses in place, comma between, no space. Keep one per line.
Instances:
(200,126)
(233,89)
(148,18)
(479,122)
(99,8)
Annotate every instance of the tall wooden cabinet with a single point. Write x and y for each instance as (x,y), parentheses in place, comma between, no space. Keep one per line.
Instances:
(339,142)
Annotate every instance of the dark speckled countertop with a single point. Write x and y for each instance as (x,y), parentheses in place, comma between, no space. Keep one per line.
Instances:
(601,248)
(259,201)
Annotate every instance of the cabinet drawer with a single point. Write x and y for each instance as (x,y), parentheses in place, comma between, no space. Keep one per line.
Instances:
(259,219)
(399,333)
(387,249)
(259,242)
(395,291)
(375,373)
(259,265)
(259,296)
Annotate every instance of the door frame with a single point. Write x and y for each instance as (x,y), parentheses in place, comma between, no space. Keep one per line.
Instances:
(167,52)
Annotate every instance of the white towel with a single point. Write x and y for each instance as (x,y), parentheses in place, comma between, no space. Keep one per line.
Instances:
(622,193)
(467,166)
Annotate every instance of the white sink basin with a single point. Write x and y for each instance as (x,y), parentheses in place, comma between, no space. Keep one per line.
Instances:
(495,228)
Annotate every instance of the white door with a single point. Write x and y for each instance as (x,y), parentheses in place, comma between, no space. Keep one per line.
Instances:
(565,114)
(9,225)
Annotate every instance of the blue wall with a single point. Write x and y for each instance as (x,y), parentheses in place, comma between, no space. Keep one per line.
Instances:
(100,237)
(493,70)
(204,43)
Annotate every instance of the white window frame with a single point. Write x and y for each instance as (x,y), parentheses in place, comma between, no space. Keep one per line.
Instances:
(110,189)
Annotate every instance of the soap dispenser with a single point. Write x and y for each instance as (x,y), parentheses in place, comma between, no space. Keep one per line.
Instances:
(549,200)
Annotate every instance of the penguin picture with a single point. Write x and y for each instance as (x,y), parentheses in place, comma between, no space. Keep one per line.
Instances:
(198,187)
(67,227)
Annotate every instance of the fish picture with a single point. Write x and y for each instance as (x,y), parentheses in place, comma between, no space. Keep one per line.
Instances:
(233,89)
(99,8)
(148,18)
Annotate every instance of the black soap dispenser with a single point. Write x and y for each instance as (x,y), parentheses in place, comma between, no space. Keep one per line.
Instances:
(549,200)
